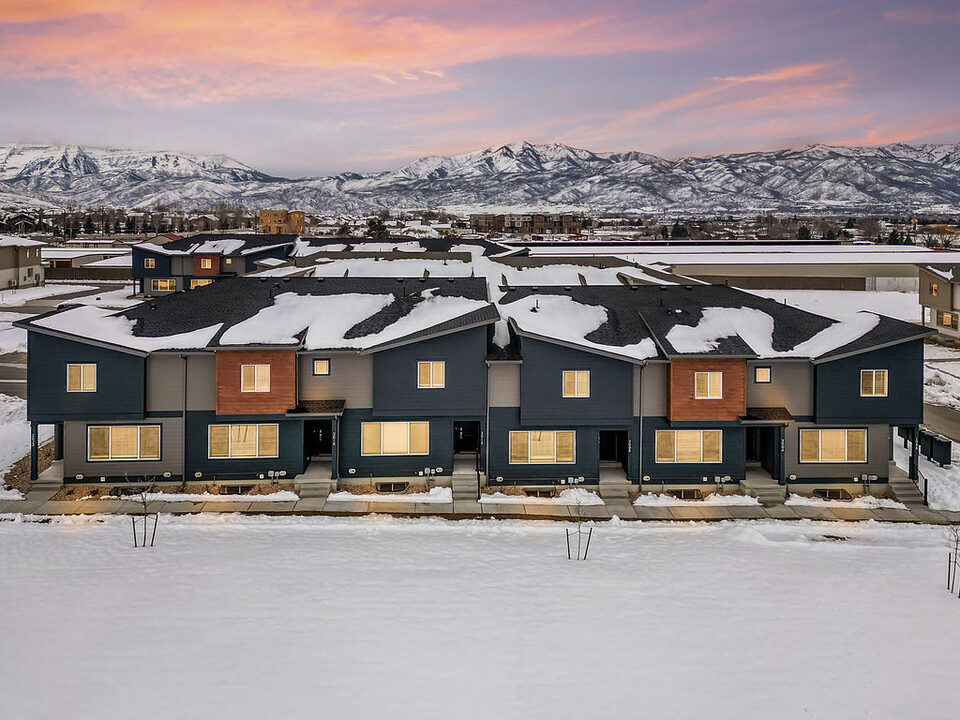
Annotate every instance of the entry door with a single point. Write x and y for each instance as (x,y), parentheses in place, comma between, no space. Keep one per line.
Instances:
(319,437)
(466,436)
(613,446)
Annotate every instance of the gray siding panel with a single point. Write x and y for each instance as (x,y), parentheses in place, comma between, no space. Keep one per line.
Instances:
(878,449)
(75,452)
(504,379)
(653,395)
(164,383)
(350,379)
(202,382)
(790,386)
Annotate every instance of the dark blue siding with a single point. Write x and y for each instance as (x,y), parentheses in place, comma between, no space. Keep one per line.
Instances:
(290,447)
(395,390)
(249,262)
(120,381)
(837,387)
(162,269)
(541,387)
(349,446)
(733,453)
(503,420)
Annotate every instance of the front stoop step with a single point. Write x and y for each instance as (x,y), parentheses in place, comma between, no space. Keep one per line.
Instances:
(316,488)
(464,487)
(614,489)
(905,491)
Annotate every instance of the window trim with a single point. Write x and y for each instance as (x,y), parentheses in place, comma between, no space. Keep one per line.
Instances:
(874,393)
(708,373)
(576,383)
(82,366)
(206,263)
(228,456)
(168,281)
(952,325)
(319,360)
(510,435)
(656,444)
(934,289)
(139,427)
(150,263)
(432,385)
(757,369)
(200,282)
(256,377)
(846,447)
(408,423)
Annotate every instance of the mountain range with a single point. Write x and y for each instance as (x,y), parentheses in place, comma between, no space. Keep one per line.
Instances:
(520,176)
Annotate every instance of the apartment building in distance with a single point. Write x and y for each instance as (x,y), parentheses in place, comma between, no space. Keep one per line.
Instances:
(281,222)
(20,262)
(940,298)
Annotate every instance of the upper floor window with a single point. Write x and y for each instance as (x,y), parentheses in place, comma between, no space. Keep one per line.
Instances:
(243,441)
(149,262)
(708,385)
(689,446)
(123,442)
(206,263)
(164,285)
(431,374)
(576,383)
(873,383)
(395,438)
(321,367)
(934,288)
(542,447)
(761,374)
(81,377)
(199,282)
(255,378)
(833,446)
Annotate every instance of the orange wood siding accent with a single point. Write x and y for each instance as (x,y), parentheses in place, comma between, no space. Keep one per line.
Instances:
(683,405)
(283,382)
(214,266)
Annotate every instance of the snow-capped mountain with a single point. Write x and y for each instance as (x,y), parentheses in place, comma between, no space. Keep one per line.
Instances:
(519,176)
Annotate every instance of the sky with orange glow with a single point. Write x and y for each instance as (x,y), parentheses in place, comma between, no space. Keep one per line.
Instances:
(302,87)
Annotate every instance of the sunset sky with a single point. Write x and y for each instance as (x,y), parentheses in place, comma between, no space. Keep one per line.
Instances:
(303,87)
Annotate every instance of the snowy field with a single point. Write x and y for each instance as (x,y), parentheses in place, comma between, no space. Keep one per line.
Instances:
(241,618)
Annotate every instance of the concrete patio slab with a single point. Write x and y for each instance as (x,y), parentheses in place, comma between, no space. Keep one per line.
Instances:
(182,506)
(682,512)
(894,515)
(852,513)
(652,512)
(434,508)
(60,507)
(933,517)
(716,512)
(467,507)
(310,505)
(813,512)
(226,506)
(274,506)
(781,512)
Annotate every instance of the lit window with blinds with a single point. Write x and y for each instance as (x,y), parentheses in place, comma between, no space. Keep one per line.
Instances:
(689,446)
(833,446)
(395,438)
(165,285)
(243,441)
(431,374)
(576,383)
(873,383)
(81,377)
(200,282)
(123,442)
(947,320)
(542,447)
(206,263)
(708,385)
(254,378)
(321,367)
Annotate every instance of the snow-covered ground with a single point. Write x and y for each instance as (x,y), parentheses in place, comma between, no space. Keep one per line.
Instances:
(839,304)
(943,492)
(665,500)
(434,495)
(15,438)
(259,617)
(13,298)
(570,496)
(119,298)
(941,376)
(864,501)
(12,339)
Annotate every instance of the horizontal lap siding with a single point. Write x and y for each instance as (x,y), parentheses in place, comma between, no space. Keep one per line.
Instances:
(290,447)
(75,453)
(349,447)
(732,455)
(878,451)
(283,382)
(681,398)
(350,379)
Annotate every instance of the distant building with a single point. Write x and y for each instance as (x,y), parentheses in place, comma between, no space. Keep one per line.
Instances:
(281,222)
(527,224)
(940,298)
(20,262)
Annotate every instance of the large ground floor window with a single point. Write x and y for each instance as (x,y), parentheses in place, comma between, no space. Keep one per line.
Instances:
(243,441)
(689,446)
(123,442)
(832,446)
(543,447)
(395,438)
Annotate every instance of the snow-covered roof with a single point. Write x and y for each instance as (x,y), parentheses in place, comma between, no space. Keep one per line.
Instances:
(124,261)
(15,241)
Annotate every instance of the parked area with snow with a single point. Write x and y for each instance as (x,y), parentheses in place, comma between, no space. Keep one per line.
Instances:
(365,618)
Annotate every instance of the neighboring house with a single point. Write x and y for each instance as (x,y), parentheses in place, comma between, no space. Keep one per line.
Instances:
(940,298)
(386,380)
(281,222)
(191,262)
(20,262)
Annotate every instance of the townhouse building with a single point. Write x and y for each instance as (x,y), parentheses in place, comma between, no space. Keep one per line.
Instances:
(388,381)
(20,262)
(281,222)
(940,298)
(191,262)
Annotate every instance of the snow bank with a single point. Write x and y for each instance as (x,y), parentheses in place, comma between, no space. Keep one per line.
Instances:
(435,495)
(15,433)
(864,501)
(943,492)
(282,495)
(13,298)
(570,496)
(665,500)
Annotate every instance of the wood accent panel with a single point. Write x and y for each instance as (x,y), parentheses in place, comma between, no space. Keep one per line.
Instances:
(283,382)
(683,405)
(214,266)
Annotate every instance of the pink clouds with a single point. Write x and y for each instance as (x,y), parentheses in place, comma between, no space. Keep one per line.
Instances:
(923,16)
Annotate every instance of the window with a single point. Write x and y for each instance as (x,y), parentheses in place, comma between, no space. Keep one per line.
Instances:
(873,383)
(834,446)
(708,385)
(321,367)
(761,374)
(123,442)
(542,447)
(166,285)
(254,378)
(689,446)
(206,263)
(29,272)
(199,282)
(395,438)
(149,263)
(430,374)
(243,441)
(576,383)
(947,319)
(81,377)
(934,288)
